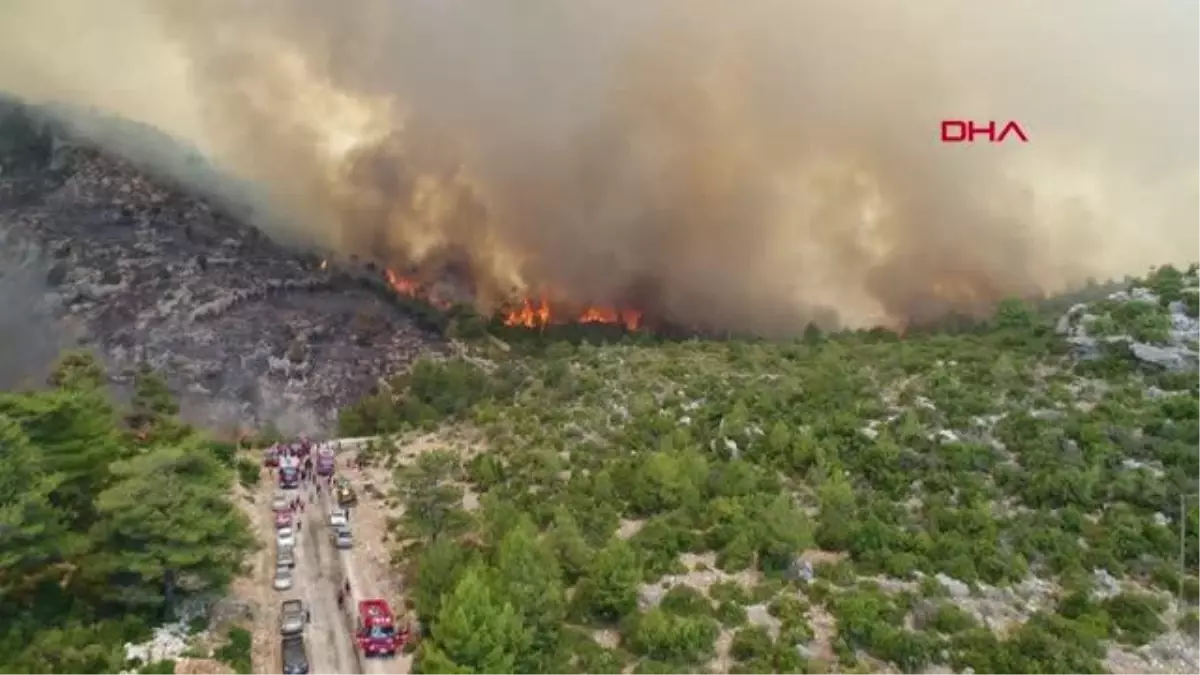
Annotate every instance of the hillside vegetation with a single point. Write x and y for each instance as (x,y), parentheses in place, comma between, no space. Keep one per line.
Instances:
(110,517)
(991,498)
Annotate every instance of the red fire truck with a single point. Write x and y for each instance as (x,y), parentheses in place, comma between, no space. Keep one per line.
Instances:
(377,633)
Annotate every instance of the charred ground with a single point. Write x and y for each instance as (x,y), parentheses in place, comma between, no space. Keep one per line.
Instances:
(100,253)
(103,252)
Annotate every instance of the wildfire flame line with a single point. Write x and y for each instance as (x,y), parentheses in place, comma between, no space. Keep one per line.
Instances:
(537,313)
(532,313)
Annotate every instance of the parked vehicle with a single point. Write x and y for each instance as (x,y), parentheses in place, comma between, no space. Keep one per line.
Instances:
(285,537)
(285,556)
(292,617)
(283,576)
(376,632)
(271,457)
(283,519)
(289,473)
(280,502)
(342,538)
(338,518)
(326,461)
(294,655)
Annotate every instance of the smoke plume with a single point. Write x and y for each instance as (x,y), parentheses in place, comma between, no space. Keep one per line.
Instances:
(29,337)
(749,165)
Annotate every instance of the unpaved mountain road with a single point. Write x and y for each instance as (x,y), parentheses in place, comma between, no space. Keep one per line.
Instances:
(330,648)
(366,582)
(320,570)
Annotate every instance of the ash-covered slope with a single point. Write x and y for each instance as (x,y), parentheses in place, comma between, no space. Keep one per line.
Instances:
(97,252)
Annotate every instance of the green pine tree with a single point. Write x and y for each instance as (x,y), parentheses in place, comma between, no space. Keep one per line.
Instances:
(476,631)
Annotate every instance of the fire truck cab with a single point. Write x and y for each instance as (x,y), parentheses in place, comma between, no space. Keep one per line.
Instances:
(289,473)
(377,634)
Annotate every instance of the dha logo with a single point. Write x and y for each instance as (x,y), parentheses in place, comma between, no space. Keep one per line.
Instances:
(966,131)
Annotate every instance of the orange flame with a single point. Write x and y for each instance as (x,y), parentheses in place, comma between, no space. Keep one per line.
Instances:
(532,313)
(402,285)
(630,318)
(411,288)
(536,314)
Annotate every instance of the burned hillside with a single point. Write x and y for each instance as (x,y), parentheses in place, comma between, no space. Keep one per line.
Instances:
(101,254)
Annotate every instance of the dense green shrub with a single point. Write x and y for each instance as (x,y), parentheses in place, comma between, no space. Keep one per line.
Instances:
(686,601)
(950,619)
(730,614)
(1136,616)
(237,650)
(249,472)
(750,643)
(608,590)
(671,638)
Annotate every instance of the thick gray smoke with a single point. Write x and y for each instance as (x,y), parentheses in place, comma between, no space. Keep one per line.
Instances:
(29,337)
(751,165)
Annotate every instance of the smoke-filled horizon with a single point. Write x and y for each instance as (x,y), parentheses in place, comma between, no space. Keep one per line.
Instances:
(751,166)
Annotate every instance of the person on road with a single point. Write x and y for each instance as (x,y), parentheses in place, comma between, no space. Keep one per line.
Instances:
(346,587)
(341,599)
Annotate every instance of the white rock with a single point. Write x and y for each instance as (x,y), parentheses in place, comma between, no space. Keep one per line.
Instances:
(956,588)
(1172,358)
(1106,585)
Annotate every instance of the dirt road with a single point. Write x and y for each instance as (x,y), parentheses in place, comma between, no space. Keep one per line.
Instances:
(331,649)
(320,571)
(365,583)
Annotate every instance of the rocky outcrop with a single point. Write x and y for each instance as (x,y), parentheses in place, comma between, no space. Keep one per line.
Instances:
(247,330)
(1175,350)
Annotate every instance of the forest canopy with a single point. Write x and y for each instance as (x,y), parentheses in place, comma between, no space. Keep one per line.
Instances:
(110,516)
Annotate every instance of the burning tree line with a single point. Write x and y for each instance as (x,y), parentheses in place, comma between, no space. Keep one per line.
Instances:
(533,313)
